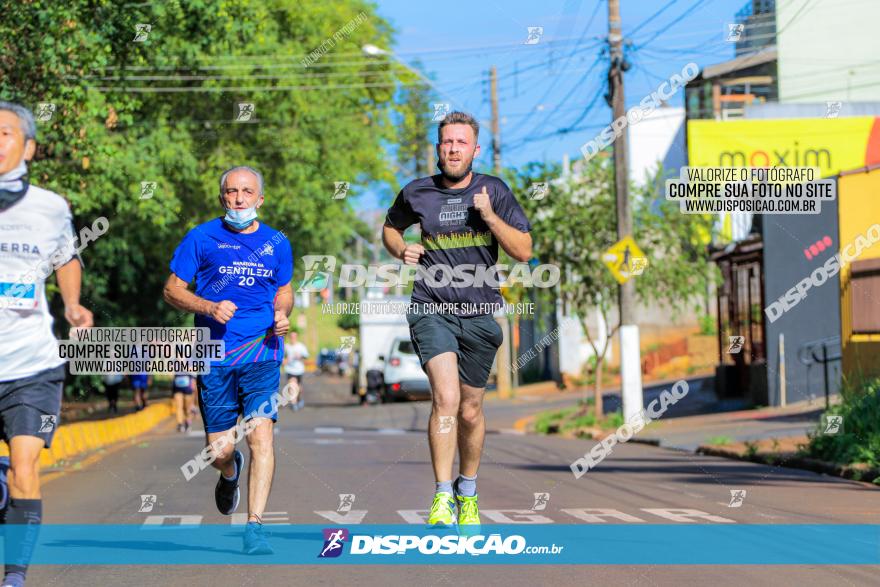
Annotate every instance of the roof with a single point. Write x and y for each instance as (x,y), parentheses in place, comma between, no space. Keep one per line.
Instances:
(766,55)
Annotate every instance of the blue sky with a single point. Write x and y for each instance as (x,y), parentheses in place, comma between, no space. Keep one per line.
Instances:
(547,87)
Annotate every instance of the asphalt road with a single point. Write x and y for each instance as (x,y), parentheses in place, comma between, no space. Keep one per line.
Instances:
(380,455)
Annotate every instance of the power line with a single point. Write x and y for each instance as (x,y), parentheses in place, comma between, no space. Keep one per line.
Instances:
(675,21)
(653,16)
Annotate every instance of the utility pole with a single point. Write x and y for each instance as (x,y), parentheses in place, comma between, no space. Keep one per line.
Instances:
(504,378)
(496,137)
(430,156)
(630,364)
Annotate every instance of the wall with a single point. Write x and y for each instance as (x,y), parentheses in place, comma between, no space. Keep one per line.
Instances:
(814,317)
(658,138)
(827,50)
(859,199)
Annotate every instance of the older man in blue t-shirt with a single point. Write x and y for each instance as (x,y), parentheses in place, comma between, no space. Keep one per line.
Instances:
(242,270)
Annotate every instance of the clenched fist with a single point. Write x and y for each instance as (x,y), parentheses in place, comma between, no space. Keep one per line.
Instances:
(412,254)
(223,311)
(483,204)
(282,324)
(79,316)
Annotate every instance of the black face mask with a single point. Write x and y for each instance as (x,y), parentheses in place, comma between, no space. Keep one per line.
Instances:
(8,198)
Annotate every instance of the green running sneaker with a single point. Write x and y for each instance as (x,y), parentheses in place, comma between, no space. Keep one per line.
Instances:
(468,510)
(442,510)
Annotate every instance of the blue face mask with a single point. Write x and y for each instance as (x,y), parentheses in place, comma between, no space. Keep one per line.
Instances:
(240,219)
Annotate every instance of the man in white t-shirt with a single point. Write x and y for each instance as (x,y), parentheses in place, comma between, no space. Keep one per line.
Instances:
(295,353)
(36,237)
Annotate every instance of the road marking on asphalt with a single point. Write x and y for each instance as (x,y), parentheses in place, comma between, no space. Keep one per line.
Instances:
(500,516)
(685,515)
(391,431)
(589,515)
(598,515)
(240,519)
(329,430)
(516,517)
(512,431)
(332,441)
(158,521)
(350,517)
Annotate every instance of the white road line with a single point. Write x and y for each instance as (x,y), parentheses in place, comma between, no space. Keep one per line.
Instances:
(391,431)
(329,430)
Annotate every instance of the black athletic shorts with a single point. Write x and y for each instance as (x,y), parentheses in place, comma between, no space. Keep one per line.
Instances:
(32,406)
(475,340)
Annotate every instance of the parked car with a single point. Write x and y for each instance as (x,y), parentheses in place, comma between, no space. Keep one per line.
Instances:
(403,375)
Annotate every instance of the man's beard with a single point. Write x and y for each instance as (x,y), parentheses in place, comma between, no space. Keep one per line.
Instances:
(454,177)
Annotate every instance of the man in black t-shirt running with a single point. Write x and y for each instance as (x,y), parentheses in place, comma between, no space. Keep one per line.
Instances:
(463,216)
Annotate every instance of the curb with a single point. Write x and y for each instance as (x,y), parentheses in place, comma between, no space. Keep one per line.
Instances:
(523,424)
(791,461)
(75,439)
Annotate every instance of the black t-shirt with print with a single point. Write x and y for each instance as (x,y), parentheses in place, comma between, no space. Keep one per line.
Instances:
(454,235)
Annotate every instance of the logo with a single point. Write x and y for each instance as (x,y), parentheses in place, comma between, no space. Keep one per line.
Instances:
(228,246)
(832,424)
(346,344)
(453,213)
(446,424)
(147,503)
(534,35)
(346,500)
(638,265)
(832,109)
(45,110)
(539,190)
(147,189)
(141,32)
(47,423)
(440,111)
(340,189)
(541,501)
(319,268)
(333,541)
(245,112)
(735,31)
(737,496)
(736,344)
(266,250)
(817,247)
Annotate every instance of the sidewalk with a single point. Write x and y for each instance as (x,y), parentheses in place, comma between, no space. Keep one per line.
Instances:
(695,421)
(691,432)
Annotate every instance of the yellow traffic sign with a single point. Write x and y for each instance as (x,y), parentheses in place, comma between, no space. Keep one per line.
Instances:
(625,259)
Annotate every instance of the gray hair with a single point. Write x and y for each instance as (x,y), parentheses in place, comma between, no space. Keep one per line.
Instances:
(25,117)
(226,173)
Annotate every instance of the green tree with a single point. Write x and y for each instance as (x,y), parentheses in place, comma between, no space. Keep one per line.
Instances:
(165,108)
(575,223)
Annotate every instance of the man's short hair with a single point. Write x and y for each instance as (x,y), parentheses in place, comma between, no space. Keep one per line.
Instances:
(240,168)
(25,117)
(458,118)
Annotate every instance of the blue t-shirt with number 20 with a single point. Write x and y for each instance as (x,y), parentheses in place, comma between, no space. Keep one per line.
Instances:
(247,270)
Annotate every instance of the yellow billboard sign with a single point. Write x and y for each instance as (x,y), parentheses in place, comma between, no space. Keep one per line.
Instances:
(831,144)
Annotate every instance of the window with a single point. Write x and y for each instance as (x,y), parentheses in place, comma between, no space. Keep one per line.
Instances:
(865,288)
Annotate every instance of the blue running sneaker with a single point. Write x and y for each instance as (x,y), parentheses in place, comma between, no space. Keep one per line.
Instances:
(226,494)
(255,539)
